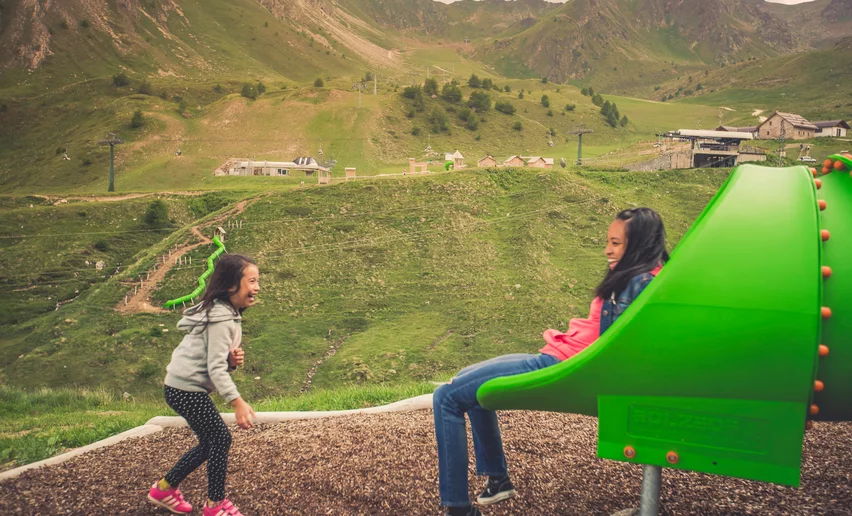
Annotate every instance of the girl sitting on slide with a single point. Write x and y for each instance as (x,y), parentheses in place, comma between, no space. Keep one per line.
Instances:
(636,251)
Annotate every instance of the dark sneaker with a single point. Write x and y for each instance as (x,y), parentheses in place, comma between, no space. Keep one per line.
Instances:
(497,490)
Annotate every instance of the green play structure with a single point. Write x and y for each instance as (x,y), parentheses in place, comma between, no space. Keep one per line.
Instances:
(743,336)
(202,280)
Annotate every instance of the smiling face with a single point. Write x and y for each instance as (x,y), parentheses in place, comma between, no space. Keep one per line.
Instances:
(616,242)
(245,296)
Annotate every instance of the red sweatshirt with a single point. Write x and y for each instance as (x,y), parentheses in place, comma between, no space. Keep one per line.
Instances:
(581,332)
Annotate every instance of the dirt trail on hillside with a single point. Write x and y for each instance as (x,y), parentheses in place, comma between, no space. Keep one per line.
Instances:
(111,198)
(386,464)
(140,302)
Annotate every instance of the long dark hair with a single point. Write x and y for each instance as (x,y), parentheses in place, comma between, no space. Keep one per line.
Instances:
(646,249)
(225,280)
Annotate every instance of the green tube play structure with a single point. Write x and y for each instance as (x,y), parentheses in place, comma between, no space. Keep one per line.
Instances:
(745,335)
(202,280)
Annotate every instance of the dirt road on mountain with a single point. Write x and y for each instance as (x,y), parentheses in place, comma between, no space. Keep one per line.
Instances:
(140,301)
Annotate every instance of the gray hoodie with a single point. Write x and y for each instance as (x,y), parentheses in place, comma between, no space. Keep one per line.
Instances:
(200,362)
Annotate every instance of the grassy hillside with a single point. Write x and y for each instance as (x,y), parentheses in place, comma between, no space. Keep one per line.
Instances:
(623,45)
(289,121)
(816,85)
(411,278)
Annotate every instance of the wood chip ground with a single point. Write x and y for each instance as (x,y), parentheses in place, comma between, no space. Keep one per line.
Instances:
(387,464)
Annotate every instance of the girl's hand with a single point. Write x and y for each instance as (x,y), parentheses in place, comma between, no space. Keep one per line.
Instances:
(236,357)
(244,413)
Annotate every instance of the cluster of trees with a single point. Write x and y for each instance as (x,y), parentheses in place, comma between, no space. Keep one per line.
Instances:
(610,111)
(470,112)
(251,91)
(487,84)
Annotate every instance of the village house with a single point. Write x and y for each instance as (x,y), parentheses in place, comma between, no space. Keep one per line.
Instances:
(486,162)
(788,125)
(835,128)
(539,162)
(514,161)
(304,166)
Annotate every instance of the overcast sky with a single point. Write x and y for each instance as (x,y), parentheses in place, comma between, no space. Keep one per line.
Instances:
(788,2)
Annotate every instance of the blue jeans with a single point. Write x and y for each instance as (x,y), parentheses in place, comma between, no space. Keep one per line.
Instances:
(451,402)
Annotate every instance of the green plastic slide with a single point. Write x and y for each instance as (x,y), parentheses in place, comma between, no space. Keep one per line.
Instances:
(202,280)
(713,368)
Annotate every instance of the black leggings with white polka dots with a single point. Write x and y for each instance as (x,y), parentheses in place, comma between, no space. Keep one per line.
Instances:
(214,440)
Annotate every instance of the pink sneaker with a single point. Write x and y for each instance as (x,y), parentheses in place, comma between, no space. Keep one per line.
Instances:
(170,499)
(225,508)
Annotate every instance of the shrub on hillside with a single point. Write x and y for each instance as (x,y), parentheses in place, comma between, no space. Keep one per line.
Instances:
(570,107)
(144,88)
(487,84)
(479,100)
(474,81)
(439,120)
(451,93)
(120,79)
(157,215)
(138,120)
(249,91)
(517,126)
(472,122)
(261,88)
(411,92)
(318,83)
(505,107)
(507,89)
(545,101)
(430,87)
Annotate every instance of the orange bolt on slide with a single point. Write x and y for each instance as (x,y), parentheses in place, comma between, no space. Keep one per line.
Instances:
(823,350)
(825,235)
(672,457)
(814,410)
(826,271)
(818,183)
(826,312)
(822,205)
(629,452)
(818,386)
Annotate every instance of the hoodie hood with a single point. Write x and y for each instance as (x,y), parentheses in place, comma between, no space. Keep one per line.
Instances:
(194,318)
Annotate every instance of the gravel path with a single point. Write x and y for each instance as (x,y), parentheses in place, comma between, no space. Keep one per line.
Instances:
(387,464)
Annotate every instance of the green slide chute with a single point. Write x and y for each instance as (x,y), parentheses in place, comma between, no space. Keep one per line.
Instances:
(715,367)
(202,280)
